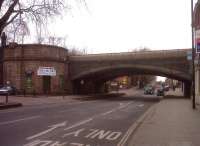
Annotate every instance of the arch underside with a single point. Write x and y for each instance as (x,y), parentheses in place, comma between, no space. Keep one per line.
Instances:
(103,74)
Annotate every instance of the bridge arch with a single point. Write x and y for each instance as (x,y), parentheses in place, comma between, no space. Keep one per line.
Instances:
(95,78)
(110,72)
(98,68)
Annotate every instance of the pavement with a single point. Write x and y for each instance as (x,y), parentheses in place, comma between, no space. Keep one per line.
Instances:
(176,93)
(39,99)
(171,122)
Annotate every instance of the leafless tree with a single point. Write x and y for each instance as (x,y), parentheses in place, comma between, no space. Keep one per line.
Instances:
(20,12)
(17,31)
(76,51)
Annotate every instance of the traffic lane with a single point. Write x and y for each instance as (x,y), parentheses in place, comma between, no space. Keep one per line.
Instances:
(50,109)
(43,107)
(39,108)
(54,110)
(76,101)
(32,111)
(105,129)
(31,126)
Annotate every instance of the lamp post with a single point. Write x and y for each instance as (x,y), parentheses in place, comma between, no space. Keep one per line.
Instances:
(193,57)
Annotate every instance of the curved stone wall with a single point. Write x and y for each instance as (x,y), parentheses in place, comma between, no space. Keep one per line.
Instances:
(21,63)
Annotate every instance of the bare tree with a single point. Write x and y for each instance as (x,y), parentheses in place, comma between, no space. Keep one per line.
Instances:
(76,51)
(17,31)
(19,12)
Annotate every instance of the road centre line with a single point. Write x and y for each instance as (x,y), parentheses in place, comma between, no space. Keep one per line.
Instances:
(102,114)
(140,105)
(19,120)
(66,110)
(91,118)
(118,108)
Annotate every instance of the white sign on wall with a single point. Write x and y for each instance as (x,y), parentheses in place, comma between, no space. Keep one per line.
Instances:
(46,71)
(189,55)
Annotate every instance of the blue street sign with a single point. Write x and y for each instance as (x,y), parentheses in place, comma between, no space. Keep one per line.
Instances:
(198,47)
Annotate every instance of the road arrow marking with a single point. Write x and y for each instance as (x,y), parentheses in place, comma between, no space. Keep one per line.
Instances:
(52,127)
(78,124)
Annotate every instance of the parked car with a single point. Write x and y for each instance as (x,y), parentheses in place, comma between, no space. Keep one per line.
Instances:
(8,90)
(148,90)
(114,86)
(166,87)
(160,91)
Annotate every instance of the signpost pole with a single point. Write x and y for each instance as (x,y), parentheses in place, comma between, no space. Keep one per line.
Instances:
(193,56)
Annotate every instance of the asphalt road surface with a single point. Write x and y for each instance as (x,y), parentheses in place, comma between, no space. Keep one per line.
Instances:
(99,122)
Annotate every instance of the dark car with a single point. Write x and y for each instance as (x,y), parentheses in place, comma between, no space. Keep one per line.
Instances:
(160,91)
(148,90)
(10,90)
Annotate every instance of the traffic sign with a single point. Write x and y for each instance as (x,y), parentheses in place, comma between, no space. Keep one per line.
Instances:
(197,40)
(198,47)
(189,55)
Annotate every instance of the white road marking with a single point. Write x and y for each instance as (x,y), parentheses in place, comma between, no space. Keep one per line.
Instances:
(72,103)
(133,127)
(52,127)
(113,136)
(126,136)
(74,133)
(102,114)
(140,105)
(39,142)
(120,104)
(103,134)
(118,108)
(19,120)
(78,124)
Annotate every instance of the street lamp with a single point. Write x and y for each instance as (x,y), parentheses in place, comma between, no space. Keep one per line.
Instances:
(193,56)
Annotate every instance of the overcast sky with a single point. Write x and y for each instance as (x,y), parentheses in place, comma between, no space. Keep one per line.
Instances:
(123,25)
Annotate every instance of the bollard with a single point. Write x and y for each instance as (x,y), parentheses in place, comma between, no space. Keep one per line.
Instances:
(24,92)
(6,98)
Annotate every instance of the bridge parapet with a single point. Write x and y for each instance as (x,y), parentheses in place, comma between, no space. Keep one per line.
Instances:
(159,54)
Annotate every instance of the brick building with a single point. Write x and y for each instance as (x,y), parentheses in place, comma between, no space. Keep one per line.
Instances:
(35,68)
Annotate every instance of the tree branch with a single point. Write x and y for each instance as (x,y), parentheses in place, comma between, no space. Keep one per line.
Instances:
(11,20)
(9,12)
(1,3)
